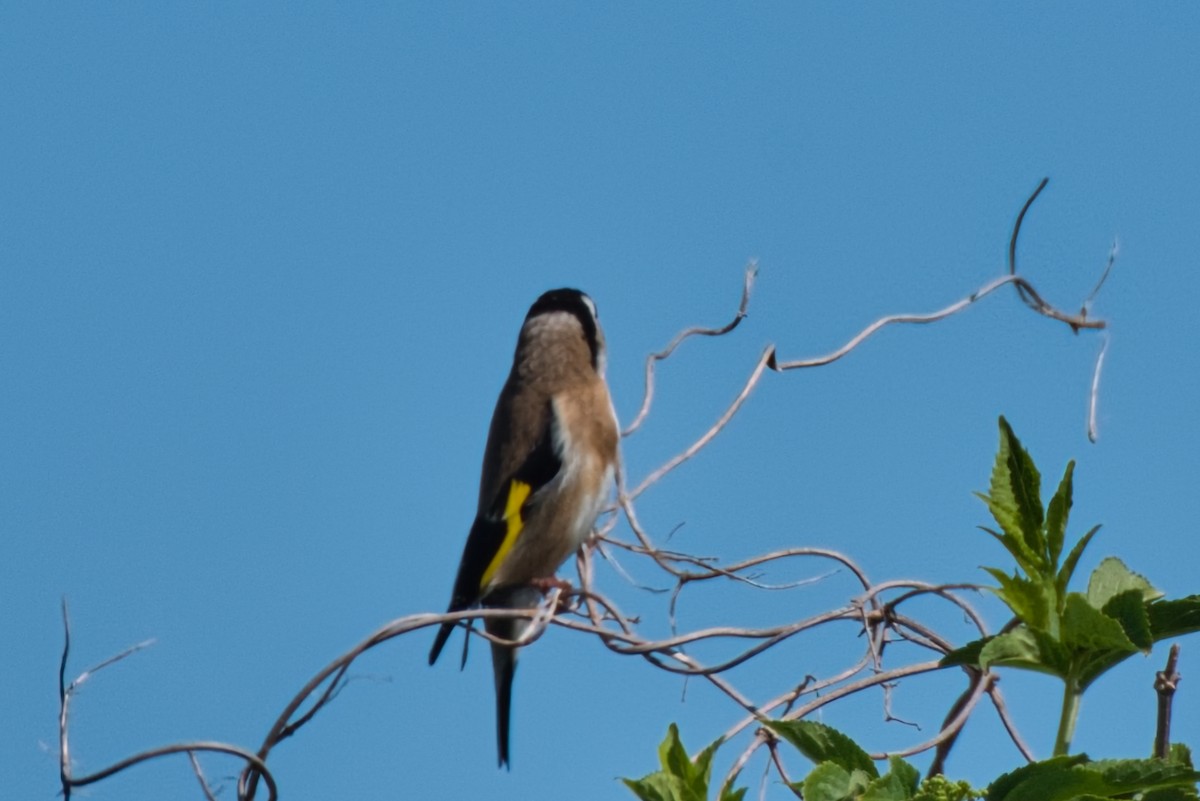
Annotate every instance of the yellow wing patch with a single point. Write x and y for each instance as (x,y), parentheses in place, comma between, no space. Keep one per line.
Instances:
(518,493)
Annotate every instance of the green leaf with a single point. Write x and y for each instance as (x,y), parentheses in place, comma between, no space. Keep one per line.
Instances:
(1003,788)
(732,794)
(1025,648)
(1013,543)
(1173,618)
(1015,492)
(673,756)
(1129,609)
(656,787)
(1068,568)
(680,779)
(1171,794)
(898,784)
(1096,640)
(1030,600)
(829,781)
(1086,628)
(1111,577)
(1076,778)
(822,743)
(1054,658)
(966,655)
(1057,515)
(1139,775)
(1180,754)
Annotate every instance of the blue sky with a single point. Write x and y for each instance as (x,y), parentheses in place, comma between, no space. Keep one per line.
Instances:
(263,268)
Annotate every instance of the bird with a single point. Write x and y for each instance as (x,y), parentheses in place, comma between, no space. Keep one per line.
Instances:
(548,469)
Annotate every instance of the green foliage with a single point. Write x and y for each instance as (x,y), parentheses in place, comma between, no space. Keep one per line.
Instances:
(844,771)
(822,744)
(1076,778)
(681,778)
(1074,636)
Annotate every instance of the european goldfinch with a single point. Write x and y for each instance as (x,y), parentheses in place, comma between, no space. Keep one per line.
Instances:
(548,469)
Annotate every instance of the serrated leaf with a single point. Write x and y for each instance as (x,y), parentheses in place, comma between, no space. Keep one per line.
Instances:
(673,756)
(1139,775)
(680,779)
(1175,617)
(1171,794)
(1004,786)
(1030,600)
(702,769)
(1111,577)
(1129,609)
(966,655)
(1055,658)
(1068,568)
(828,782)
(898,784)
(822,743)
(1016,490)
(1086,627)
(732,794)
(1024,648)
(656,787)
(1013,541)
(1180,754)
(1057,514)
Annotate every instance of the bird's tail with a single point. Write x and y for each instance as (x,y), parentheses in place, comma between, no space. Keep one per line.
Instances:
(440,641)
(504,657)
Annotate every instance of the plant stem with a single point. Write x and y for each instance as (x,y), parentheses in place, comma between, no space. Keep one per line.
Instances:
(1070,711)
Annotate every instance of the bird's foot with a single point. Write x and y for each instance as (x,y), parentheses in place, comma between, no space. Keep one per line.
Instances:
(552,583)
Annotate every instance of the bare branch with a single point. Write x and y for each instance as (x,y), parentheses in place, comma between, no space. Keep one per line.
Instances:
(747,285)
(1012,241)
(256,764)
(65,691)
(1165,683)
(1094,395)
(1009,726)
(950,729)
(707,437)
(1112,259)
(208,793)
(941,314)
(64,750)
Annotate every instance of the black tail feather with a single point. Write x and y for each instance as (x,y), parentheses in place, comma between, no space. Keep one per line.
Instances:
(504,664)
(440,641)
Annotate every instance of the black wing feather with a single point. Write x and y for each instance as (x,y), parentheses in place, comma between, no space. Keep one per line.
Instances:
(487,532)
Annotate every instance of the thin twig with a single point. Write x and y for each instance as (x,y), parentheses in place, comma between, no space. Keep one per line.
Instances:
(1112,259)
(708,435)
(1165,683)
(950,730)
(773,749)
(256,764)
(1012,242)
(1094,395)
(204,788)
(66,691)
(1010,726)
(933,317)
(64,750)
(747,285)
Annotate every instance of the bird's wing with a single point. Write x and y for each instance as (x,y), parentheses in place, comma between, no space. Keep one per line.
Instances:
(500,523)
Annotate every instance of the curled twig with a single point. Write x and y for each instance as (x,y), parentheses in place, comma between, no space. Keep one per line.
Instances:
(747,285)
